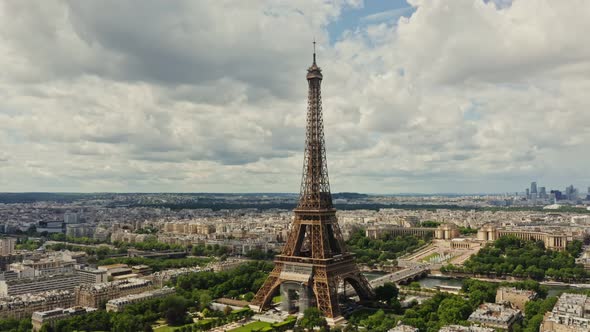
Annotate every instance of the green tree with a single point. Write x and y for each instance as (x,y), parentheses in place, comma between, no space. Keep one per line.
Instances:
(249,296)
(415,285)
(387,292)
(379,322)
(125,323)
(204,300)
(453,310)
(174,309)
(312,317)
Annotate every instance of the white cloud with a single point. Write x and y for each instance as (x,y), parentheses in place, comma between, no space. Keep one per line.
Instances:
(461,96)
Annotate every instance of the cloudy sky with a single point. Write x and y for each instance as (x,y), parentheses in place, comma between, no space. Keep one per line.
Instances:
(209,96)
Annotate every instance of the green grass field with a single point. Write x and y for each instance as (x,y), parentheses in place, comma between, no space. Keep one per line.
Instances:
(166,328)
(251,326)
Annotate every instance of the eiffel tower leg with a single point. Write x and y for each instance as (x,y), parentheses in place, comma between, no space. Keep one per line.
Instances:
(325,292)
(264,295)
(361,285)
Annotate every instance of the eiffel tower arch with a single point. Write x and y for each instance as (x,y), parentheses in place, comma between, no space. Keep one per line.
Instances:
(314,262)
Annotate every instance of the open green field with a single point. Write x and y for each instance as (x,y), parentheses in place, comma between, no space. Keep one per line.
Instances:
(251,326)
(164,328)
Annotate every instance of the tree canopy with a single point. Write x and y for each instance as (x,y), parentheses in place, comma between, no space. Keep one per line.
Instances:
(528,259)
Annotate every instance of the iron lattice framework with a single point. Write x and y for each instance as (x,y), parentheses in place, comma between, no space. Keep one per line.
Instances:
(315,242)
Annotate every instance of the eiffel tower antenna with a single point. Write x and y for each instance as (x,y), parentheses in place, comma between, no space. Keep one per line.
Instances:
(313,49)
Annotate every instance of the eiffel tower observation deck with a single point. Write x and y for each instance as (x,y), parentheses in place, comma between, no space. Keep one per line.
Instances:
(314,262)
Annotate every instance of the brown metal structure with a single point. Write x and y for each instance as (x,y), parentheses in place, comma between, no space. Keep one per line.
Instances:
(315,255)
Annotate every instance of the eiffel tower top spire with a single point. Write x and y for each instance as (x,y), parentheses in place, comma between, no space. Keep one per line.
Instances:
(315,186)
(314,50)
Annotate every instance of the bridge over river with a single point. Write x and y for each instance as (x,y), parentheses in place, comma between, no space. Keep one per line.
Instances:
(397,277)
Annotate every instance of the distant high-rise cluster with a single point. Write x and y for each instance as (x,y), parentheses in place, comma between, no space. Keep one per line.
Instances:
(534,192)
(571,193)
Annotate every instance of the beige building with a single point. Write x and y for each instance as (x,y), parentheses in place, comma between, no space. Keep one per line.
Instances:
(7,246)
(160,278)
(394,230)
(584,259)
(50,317)
(22,306)
(97,294)
(571,313)
(446,232)
(551,240)
(57,264)
(118,271)
(124,236)
(517,297)
(117,305)
(188,228)
(495,316)
(460,328)
(465,243)
(89,275)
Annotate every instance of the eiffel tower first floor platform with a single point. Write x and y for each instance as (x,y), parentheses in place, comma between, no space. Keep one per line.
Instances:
(303,282)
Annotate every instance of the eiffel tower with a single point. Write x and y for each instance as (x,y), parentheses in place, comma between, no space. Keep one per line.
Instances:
(314,262)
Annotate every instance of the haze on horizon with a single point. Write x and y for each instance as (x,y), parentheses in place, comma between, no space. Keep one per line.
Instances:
(422,96)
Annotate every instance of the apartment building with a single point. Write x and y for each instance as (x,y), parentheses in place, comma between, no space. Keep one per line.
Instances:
(516,297)
(7,246)
(22,306)
(95,295)
(496,316)
(571,313)
(18,286)
(50,317)
(89,275)
(460,328)
(117,305)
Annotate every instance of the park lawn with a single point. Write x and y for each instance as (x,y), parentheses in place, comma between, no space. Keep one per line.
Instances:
(164,328)
(251,326)
(276,299)
(203,321)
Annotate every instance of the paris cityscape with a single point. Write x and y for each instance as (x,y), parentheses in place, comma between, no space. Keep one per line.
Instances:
(164,166)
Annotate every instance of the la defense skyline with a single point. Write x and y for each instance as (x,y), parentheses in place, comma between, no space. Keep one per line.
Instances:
(314,263)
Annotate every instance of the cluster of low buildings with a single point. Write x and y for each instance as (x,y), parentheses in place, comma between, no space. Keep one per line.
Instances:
(55,285)
(22,306)
(93,295)
(502,315)
(494,315)
(490,317)
(571,313)
(246,229)
(60,284)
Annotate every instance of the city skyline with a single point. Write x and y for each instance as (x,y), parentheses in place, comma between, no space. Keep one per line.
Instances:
(414,102)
